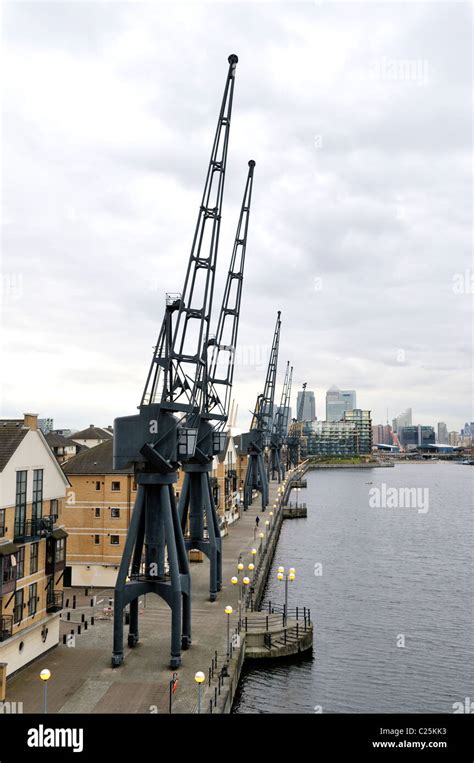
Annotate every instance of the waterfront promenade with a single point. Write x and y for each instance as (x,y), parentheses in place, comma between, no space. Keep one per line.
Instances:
(83,680)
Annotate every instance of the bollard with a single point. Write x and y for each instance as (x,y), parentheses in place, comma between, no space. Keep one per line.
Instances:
(64,638)
(66,604)
(85,625)
(78,630)
(92,603)
(83,617)
(92,620)
(210,676)
(68,615)
(74,601)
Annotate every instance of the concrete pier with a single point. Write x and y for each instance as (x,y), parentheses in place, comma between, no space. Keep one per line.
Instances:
(83,681)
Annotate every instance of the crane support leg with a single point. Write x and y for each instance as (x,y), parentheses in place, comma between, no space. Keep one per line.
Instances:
(154,528)
(196,504)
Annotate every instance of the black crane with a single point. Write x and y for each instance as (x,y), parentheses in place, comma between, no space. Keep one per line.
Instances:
(279,428)
(293,441)
(197,510)
(156,439)
(258,438)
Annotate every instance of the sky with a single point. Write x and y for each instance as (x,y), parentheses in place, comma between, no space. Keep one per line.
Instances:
(359,118)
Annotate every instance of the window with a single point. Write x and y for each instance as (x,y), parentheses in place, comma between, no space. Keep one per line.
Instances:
(97,485)
(2,523)
(97,512)
(34,558)
(54,507)
(20,563)
(18,608)
(96,539)
(115,513)
(60,555)
(32,599)
(134,486)
(115,486)
(37,503)
(114,540)
(20,503)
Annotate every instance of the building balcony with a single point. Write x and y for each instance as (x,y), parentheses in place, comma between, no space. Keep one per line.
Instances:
(54,601)
(34,528)
(6,627)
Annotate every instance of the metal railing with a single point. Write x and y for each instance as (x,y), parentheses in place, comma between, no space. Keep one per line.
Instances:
(6,627)
(55,601)
(39,527)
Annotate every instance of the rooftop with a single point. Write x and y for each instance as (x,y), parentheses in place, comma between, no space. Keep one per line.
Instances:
(97,460)
(12,432)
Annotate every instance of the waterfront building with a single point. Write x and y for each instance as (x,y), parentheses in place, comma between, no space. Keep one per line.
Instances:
(225,481)
(97,515)
(338,401)
(32,543)
(363,425)
(46,425)
(442,433)
(382,434)
(92,436)
(402,420)
(309,406)
(332,438)
(416,436)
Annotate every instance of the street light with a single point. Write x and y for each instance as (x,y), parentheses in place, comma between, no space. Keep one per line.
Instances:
(235,581)
(45,675)
(228,610)
(199,678)
(289,577)
(246,581)
(240,566)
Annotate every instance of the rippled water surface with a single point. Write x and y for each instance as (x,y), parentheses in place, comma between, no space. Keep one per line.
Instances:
(386,572)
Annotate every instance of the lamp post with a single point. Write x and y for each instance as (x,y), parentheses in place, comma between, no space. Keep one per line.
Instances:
(297,490)
(261,536)
(289,577)
(199,678)
(228,610)
(45,675)
(251,569)
(246,581)
(267,524)
(235,581)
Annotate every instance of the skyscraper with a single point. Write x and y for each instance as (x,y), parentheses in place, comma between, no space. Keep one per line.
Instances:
(338,401)
(442,433)
(402,420)
(309,406)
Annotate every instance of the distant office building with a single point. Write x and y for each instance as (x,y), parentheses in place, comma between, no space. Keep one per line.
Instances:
(416,437)
(309,406)
(442,433)
(468,429)
(402,420)
(382,434)
(46,425)
(350,437)
(454,438)
(338,401)
(363,424)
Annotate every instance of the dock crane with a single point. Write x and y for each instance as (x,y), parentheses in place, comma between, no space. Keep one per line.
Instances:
(196,504)
(294,436)
(258,437)
(279,428)
(158,438)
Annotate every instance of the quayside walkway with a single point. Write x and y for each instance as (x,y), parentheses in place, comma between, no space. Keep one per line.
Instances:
(83,680)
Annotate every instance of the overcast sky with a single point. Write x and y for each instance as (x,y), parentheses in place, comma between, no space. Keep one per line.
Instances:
(359,118)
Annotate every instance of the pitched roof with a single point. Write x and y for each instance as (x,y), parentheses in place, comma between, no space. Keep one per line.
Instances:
(55,440)
(97,460)
(92,433)
(12,432)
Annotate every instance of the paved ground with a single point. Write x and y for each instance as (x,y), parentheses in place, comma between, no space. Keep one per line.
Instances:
(82,680)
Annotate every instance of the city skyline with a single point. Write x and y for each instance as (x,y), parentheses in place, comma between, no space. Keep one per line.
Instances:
(352,232)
